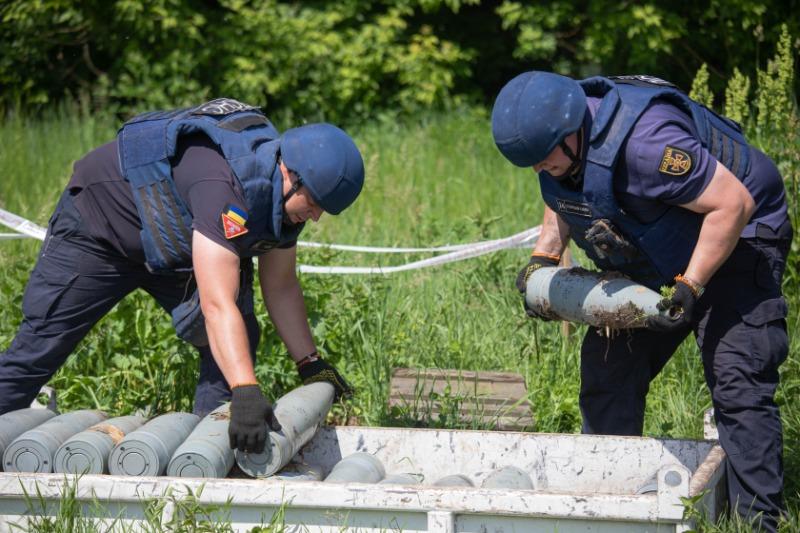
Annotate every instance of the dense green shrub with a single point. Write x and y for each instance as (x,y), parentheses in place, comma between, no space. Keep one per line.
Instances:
(312,60)
(351,59)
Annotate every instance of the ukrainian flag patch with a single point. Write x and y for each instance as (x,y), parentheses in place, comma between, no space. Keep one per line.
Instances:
(233,221)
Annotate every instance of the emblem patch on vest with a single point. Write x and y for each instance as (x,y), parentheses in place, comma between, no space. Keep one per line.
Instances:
(675,162)
(574,208)
(233,221)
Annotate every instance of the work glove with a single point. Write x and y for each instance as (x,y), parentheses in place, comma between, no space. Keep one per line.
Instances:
(251,414)
(536,262)
(607,240)
(314,368)
(681,303)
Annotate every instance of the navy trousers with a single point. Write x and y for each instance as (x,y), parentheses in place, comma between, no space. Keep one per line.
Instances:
(740,328)
(75,282)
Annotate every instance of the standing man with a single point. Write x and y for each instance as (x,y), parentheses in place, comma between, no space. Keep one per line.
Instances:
(178,206)
(651,184)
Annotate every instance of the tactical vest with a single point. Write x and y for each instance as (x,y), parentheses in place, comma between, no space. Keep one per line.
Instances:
(662,248)
(250,145)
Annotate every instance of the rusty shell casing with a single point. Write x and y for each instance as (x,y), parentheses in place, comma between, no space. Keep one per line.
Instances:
(15,423)
(359,467)
(34,450)
(88,451)
(206,452)
(300,413)
(147,451)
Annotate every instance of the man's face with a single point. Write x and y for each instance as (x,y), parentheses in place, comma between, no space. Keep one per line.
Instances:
(557,163)
(300,207)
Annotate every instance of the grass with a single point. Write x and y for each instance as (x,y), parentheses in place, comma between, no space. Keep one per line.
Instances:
(171,512)
(433,182)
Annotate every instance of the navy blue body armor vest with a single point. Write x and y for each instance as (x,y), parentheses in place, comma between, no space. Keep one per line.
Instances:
(250,145)
(659,249)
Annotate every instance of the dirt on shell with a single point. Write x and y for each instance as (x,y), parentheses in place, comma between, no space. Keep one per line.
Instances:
(626,316)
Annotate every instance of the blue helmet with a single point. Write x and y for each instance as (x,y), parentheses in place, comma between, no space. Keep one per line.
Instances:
(534,113)
(327,161)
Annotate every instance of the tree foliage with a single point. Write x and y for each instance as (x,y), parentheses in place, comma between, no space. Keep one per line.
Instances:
(352,59)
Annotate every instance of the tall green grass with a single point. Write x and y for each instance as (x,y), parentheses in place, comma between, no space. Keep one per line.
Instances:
(436,181)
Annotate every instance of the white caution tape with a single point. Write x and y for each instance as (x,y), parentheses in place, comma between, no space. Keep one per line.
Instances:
(381,249)
(26,227)
(525,238)
(456,252)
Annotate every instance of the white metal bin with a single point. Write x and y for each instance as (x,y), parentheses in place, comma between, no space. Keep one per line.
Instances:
(584,483)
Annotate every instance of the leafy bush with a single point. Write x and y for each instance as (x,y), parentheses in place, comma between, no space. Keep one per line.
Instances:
(347,60)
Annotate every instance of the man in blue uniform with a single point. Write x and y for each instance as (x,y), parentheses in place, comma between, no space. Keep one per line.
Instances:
(178,205)
(653,185)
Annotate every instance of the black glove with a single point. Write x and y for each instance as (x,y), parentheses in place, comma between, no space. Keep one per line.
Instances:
(250,415)
(607,240)
(314,368)
(537,261)
(680,305)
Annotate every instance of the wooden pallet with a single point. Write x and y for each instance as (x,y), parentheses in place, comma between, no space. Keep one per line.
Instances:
(481,400)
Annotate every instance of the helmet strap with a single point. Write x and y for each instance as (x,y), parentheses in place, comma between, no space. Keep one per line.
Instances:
(576,161)
(572,174)
(295,187)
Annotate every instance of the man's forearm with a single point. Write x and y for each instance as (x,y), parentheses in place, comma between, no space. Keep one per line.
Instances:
(718,237)
(227,337)
(287,310)
(554,236)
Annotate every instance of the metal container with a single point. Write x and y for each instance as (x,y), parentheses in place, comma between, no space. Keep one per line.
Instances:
(33,451)
(15,423)
(601,299)
(88,451)
(147,451)
(454,480)
(359,467)
(207,451)
(300,412)
(509,477)
(583,483)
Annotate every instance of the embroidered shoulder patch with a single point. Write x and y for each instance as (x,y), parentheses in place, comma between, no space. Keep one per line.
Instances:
(675,162)
(233,221)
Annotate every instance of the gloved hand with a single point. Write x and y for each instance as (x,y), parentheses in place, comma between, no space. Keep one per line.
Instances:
(607,240)
(314,368)
(251,413)
(682,303)
(536,262)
